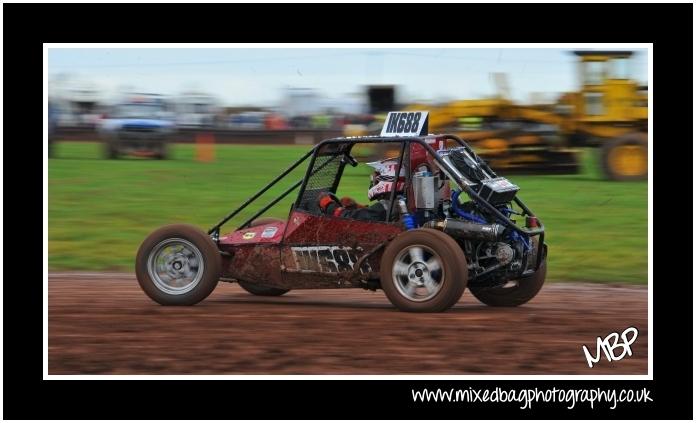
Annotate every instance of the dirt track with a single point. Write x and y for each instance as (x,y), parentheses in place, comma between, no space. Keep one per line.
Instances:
(104,324)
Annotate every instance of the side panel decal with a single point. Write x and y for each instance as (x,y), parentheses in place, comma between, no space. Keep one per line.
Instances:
(327,259)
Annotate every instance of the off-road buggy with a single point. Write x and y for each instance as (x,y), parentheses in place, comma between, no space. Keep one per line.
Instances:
(430,247)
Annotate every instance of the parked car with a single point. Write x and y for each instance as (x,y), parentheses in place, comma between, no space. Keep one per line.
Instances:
(139,128)
(52,126)
(248,120)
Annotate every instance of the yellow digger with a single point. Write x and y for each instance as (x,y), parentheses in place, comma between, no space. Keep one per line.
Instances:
(516,138)
(610,111)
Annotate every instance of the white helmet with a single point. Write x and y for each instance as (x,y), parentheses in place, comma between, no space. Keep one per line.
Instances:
(382,180)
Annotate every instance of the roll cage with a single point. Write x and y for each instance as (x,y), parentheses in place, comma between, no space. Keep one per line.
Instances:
(334,154)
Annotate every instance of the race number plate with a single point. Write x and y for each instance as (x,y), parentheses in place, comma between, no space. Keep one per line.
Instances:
(405,124)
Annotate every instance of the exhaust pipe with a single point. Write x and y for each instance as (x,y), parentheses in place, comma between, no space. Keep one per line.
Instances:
(468,230)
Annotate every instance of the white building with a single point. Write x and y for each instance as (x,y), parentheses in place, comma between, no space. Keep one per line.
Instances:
(194,109)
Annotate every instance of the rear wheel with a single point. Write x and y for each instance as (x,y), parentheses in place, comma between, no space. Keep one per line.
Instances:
(626,158)
(111,150)
(423,270)
(264,291)
(178,265)
(514,293)
(162,151)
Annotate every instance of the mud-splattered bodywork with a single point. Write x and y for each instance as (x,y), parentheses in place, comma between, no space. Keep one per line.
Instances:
(308,251)
(314,250)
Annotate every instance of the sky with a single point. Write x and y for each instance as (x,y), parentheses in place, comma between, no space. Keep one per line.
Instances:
(257,77)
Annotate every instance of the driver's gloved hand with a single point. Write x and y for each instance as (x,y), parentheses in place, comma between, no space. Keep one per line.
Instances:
(350,203)
(329,204)
(325,200)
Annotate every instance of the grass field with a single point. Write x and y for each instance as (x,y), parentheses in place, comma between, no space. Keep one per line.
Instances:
(100,210)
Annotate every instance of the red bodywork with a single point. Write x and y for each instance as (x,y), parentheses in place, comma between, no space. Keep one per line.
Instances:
(288,255)
(311,251)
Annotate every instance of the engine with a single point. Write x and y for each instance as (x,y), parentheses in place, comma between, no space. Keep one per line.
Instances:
(495,254)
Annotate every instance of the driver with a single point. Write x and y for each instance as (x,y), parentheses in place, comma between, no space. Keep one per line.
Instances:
(381,184)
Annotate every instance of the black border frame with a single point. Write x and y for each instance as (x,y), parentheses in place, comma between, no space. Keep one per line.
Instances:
(27,26)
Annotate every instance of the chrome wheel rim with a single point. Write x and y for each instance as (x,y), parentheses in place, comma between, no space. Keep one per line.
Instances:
(175,266)
(418,273)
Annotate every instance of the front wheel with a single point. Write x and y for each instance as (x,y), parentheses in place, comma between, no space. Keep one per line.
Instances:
(178,265)
(423,270)
(626,158)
